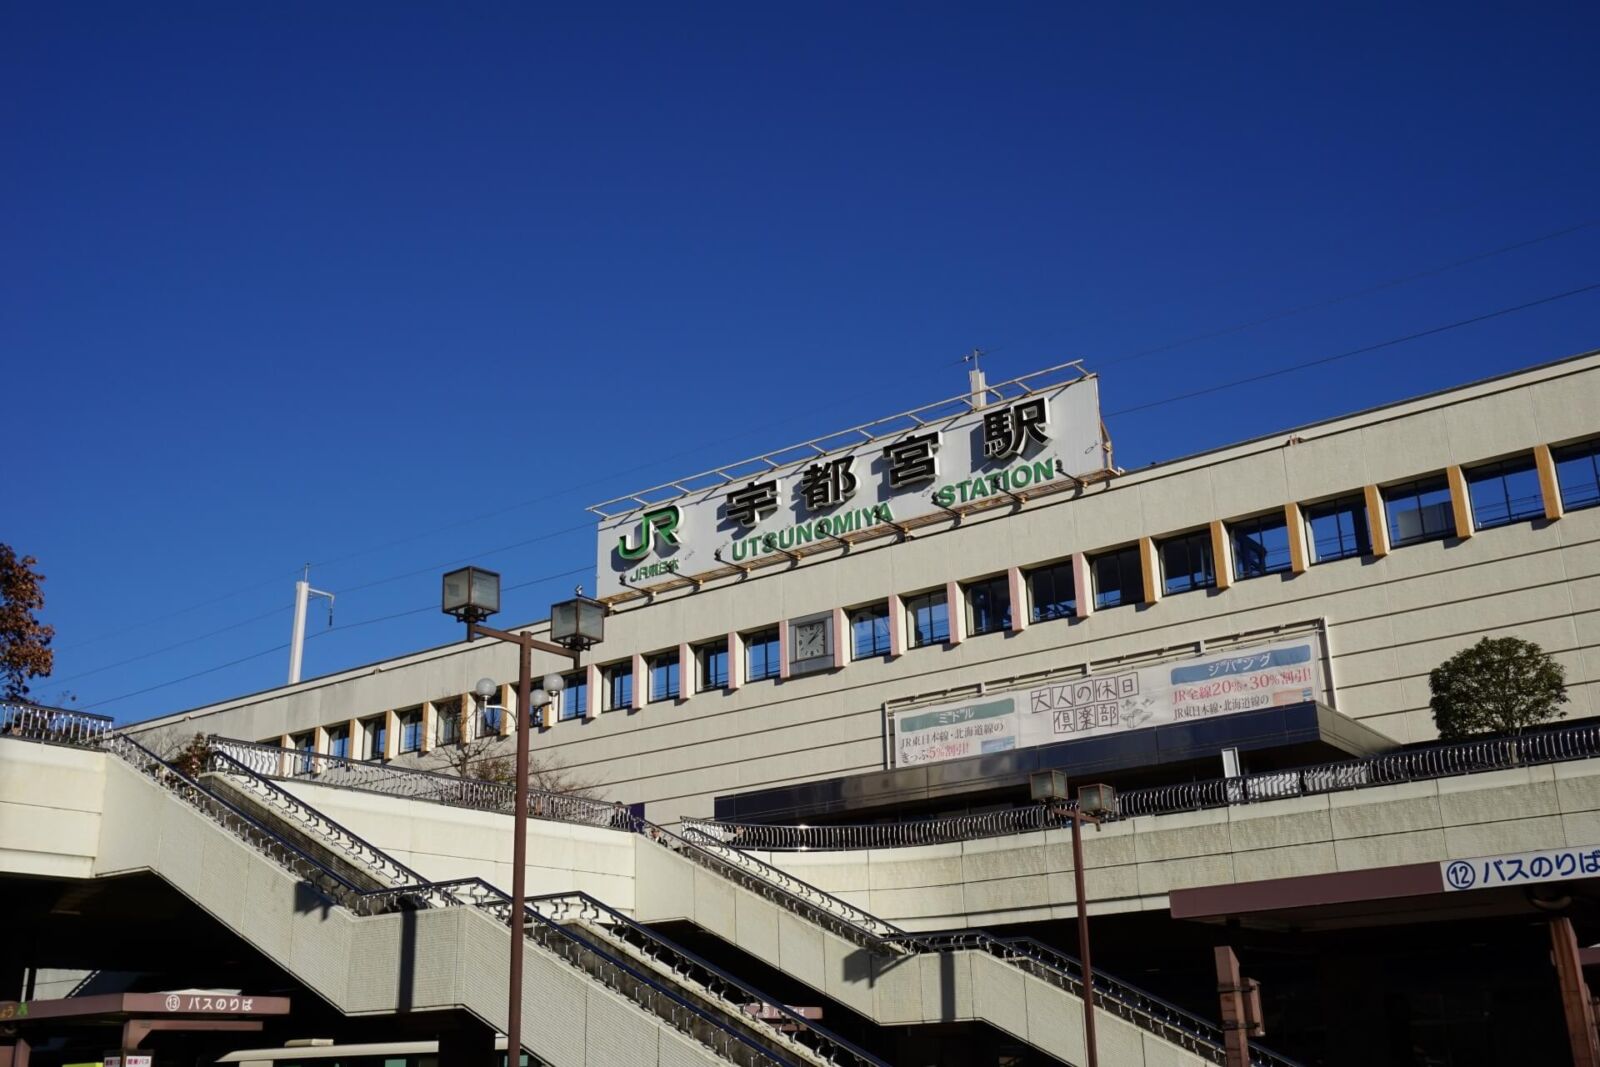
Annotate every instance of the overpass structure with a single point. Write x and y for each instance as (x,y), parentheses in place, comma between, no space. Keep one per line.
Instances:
(360,927)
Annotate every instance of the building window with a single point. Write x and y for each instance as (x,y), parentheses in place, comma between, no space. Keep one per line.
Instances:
(447,721)
(869,631)
(1578,474)
(376,732)
(1505,492)
(410,729)
(1260,545)
(489,716)
(761,655)
(930,618)
(339,741)
(1186,562)
(1051,592)
(305,747)
(618,680)
(1418,511)
(712,661)
(574,700)
(664,679)
(989,605)
(1118,578)
(1338,529)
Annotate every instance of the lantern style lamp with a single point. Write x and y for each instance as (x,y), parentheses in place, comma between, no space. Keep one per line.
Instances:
(471,594)
(1097,800)
(579,623)
(1045,786)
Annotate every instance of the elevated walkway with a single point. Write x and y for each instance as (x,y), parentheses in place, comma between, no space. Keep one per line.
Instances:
(875,968)
(414,947)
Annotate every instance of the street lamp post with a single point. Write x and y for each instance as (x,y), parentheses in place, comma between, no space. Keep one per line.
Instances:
(1094,801)
(471,595)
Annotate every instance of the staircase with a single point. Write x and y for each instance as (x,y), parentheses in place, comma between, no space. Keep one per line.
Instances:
(892,977)
(373,937)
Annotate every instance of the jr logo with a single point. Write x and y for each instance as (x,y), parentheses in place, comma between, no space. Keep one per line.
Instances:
(656,523)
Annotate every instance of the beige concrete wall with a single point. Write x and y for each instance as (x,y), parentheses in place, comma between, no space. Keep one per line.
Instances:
(50,803)
(890,990)
(441,842)
(1390,619)
(436,959)
(1133,865)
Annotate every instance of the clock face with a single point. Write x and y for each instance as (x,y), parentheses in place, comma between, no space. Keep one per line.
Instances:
(811,639)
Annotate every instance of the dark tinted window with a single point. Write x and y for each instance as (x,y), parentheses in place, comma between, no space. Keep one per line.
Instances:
(1186,562)
(761,655)
(1051,593)
(1504,492)
(410,729)
(1118,578)
(1578,474)
(1418,511)
(930,618)
(988,605)
(664,675)
(1337,529)
(619,685)
(574,696)
(869,631)
(713,660)
(1260,545)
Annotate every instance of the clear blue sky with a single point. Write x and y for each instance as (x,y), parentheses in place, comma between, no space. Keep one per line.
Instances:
(388,287)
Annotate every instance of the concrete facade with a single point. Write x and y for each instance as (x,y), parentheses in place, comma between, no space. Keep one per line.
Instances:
(1390,615)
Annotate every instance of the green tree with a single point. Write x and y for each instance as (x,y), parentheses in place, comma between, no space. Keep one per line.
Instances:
(1499,685)
(24,641)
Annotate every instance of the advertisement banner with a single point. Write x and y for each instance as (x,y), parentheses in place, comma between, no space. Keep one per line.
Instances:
(1202,687)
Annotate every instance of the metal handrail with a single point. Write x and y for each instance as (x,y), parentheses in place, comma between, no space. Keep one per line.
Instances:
(267,762)
(271,761)
(685,965)
(412,886)
(709,845)
(1423,764)
(600,964)
(62,726)
(354,846)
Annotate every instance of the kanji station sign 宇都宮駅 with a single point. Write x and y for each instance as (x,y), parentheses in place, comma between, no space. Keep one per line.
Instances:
(821,495)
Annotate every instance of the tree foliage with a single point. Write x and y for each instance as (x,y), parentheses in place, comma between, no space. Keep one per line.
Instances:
(1499,685)
(24,641)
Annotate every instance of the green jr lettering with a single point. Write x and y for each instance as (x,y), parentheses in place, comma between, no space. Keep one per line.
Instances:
(656,524)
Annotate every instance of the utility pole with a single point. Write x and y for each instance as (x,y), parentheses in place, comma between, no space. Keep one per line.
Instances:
(297,641)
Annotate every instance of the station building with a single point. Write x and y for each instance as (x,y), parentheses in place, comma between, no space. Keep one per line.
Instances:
(841,667)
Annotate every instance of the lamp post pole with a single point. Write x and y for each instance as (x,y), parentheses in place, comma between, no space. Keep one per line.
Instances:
(1094,801)
(1083,940)
(519,831)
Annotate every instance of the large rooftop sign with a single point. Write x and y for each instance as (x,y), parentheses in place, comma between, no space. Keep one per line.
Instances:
(1007,441)
(1136,698)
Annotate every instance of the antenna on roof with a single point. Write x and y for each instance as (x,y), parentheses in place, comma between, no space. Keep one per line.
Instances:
(297,642)
(976,384)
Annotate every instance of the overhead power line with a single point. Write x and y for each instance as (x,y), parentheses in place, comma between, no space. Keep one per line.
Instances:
(1210,335)
(1363,350)
(168,648)
(1352,295)
(320,633)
